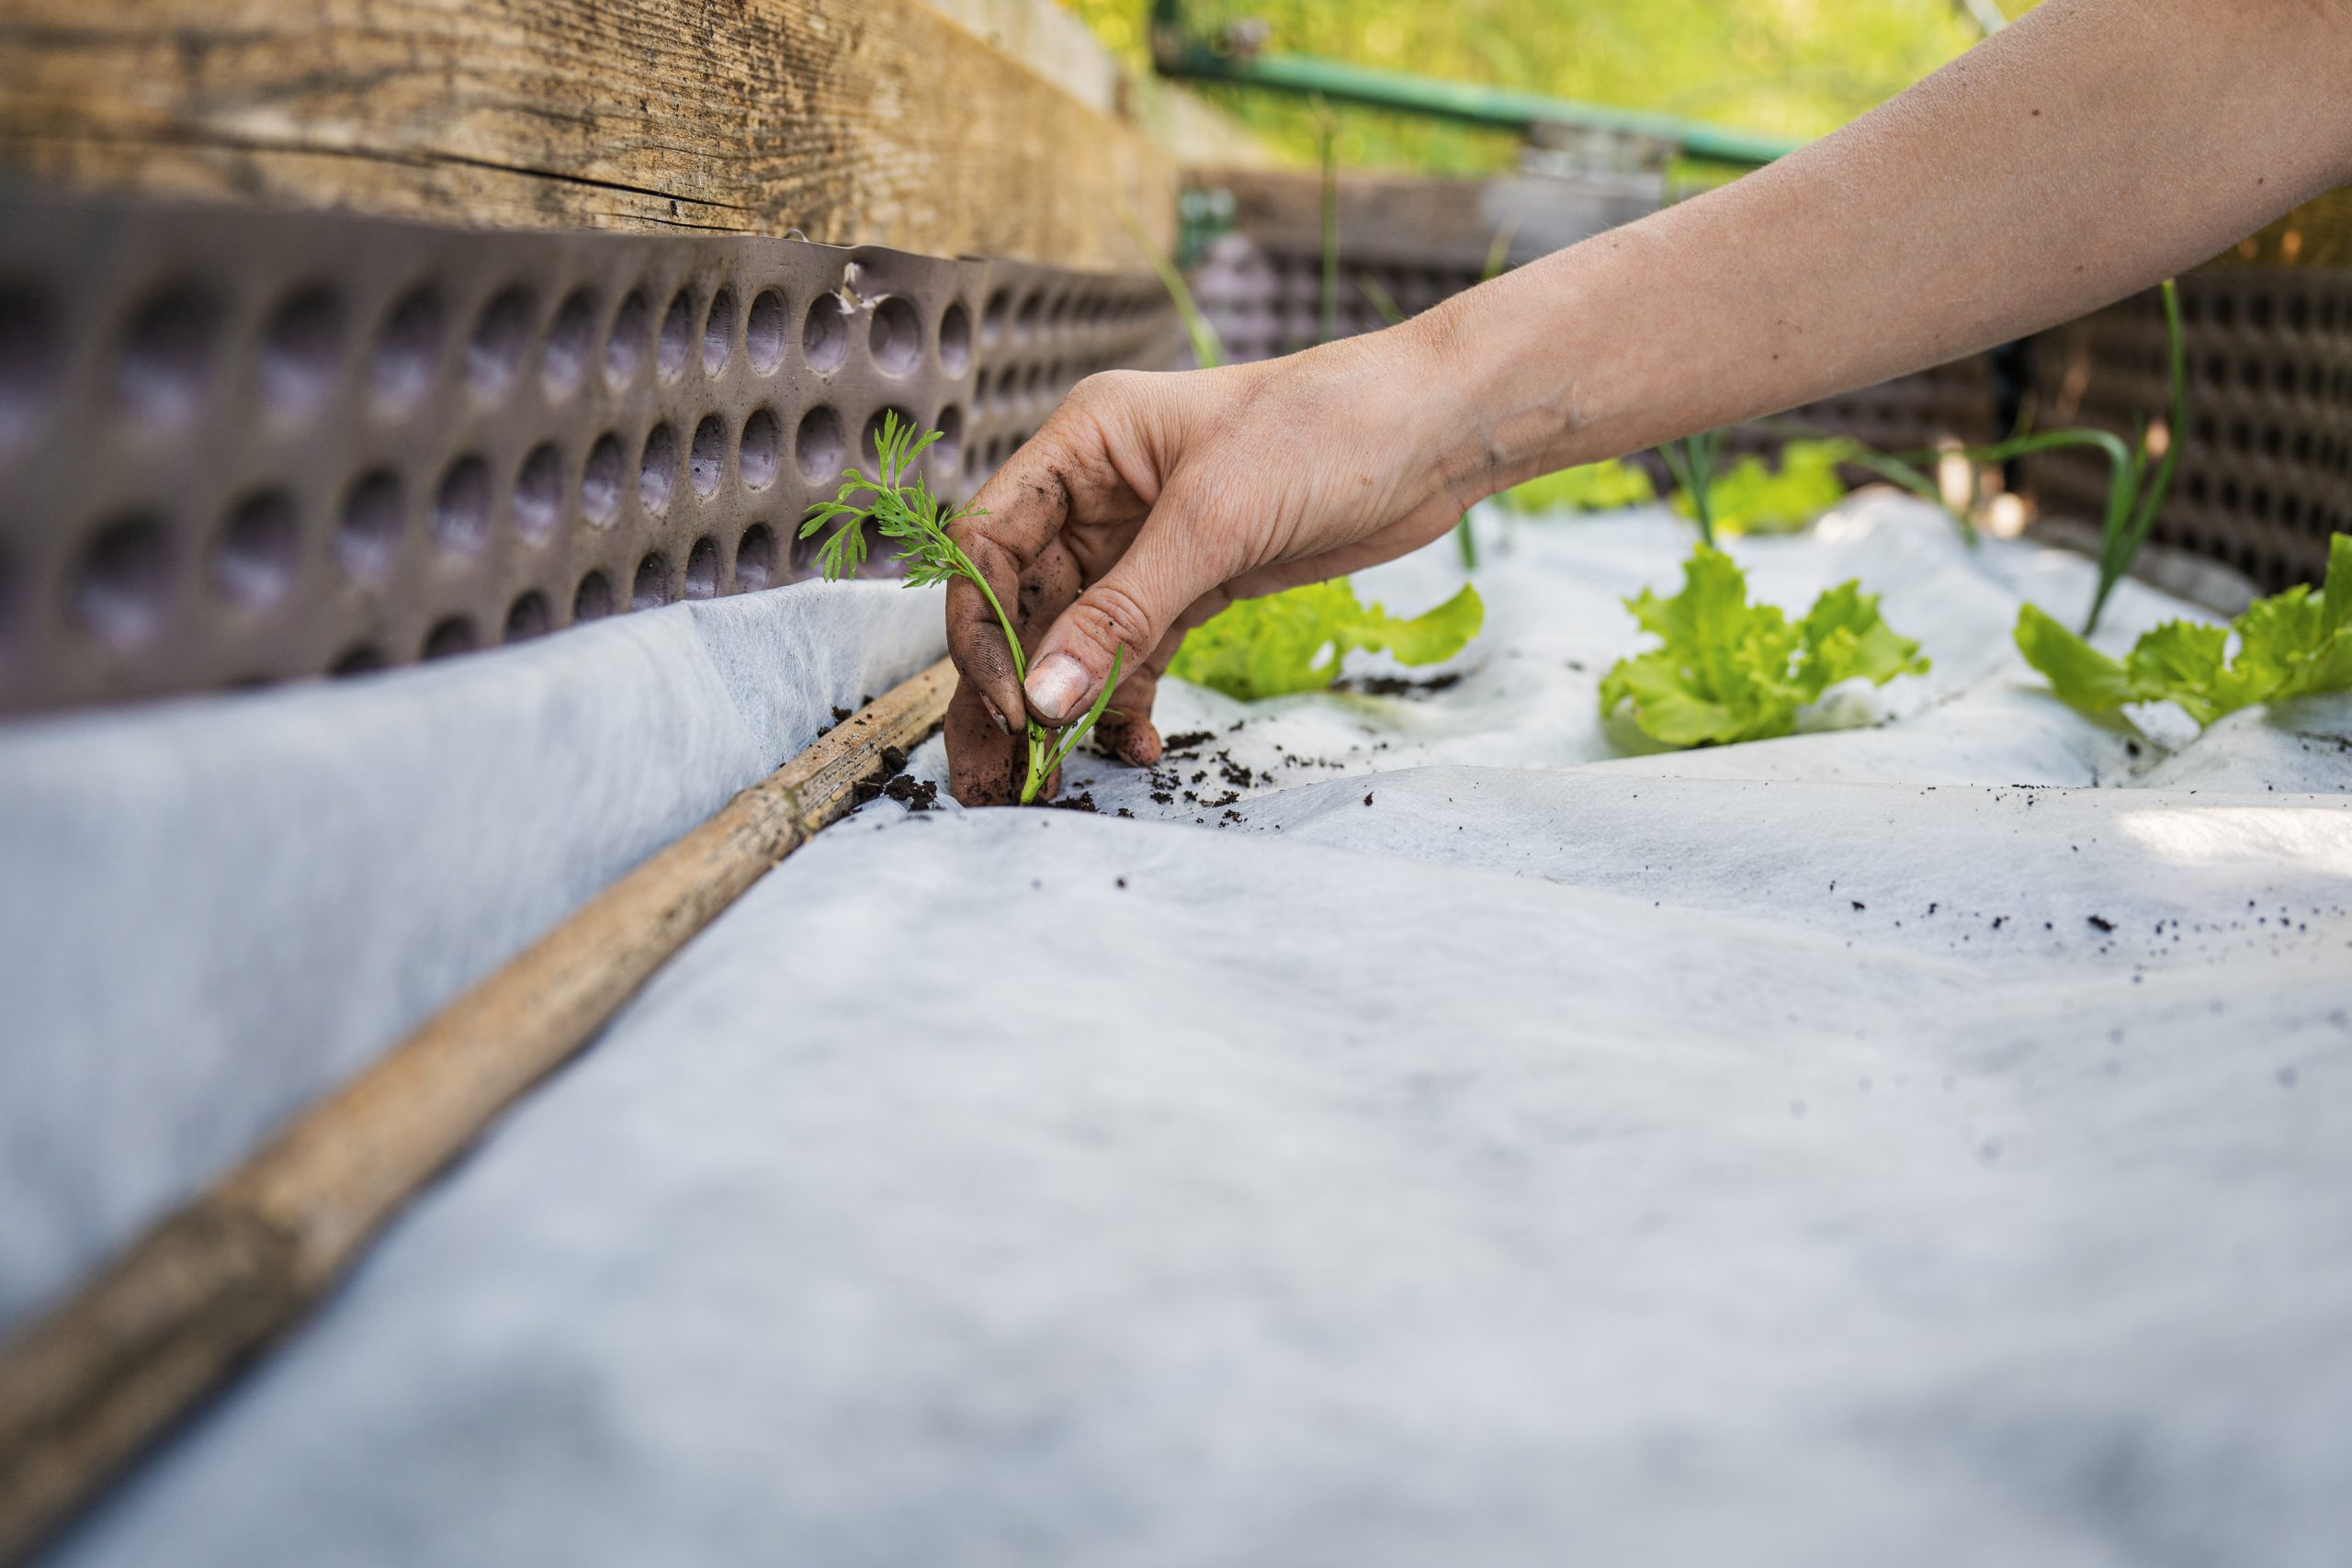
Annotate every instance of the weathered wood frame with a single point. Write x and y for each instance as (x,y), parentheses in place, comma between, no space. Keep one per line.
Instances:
(853,121)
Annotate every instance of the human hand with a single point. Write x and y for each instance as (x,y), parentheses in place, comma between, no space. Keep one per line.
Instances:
(1147,503)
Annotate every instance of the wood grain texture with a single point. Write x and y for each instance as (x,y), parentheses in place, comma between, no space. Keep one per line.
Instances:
(855,121)
(88,1385)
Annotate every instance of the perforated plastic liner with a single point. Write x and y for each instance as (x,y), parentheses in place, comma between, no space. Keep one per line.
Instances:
(2265,475)
(239,445)
(1266,300)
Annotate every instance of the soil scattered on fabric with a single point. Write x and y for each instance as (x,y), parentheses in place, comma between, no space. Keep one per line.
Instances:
(1397,686)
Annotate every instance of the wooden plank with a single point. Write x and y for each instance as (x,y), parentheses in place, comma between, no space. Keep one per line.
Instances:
(878,122)
(88,1385)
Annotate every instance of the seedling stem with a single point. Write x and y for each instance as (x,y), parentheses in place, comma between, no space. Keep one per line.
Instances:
(899,504)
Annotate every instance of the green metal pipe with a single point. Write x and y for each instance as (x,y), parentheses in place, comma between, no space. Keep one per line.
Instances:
(1504,107)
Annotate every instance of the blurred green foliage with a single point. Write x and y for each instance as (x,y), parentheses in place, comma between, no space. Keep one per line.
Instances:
(1752,497)
(1607,486)
(1794,67)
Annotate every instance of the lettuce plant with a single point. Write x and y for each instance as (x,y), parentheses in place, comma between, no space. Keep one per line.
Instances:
(2294,644)
(899,504)
(1296,640)
(1752,497)
(1726,670)
(1607,486)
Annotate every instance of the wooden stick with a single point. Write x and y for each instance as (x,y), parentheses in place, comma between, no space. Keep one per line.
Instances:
(86,1387)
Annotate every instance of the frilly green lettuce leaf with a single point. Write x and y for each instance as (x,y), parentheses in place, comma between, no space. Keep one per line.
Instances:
(1296,641)
(1751,497)
(2294,644)
(1729,670)
(1591,487)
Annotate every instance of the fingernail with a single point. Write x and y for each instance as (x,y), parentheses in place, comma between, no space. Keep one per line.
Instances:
(995,713)
(1056,685)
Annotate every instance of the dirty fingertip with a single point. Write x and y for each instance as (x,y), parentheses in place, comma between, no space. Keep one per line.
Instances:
(1058,687)
(1136,744)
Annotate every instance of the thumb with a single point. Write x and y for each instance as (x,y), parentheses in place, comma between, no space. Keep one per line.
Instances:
(1128,612)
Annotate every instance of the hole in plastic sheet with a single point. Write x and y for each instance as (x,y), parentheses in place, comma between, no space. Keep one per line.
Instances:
(529,617)
(804,554)
(29,363)
(755,558)
(367,534)
(624,342)
(707,459)
(11,600)
(955,339)
(461,507)
(824,335)
(947,451)
(451,635)
(1025,320)
(981,390)
(871,442)
(894,334)
(167,355)
(299,349)
(538,492)
(408,348)
(1058,312)
(757,458)
(501,335)
(657,468)
(677,336)
(702,569)
(819,449)
(252,560)
(764,332)
(600,480)
(652,589)
(360,659)
(594,599)
(718,334)
(571,341)
(124,581)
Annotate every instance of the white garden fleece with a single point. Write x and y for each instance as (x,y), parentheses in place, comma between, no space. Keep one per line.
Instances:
(1925,1142)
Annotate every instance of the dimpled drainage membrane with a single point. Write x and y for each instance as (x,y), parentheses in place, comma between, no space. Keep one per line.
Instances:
(2265,475)
(239,446)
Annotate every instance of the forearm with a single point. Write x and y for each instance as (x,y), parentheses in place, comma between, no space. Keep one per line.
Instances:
(2085,152)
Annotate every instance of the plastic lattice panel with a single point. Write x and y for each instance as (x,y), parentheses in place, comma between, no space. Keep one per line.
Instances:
(1266,300)
(2266,474)
(240,445)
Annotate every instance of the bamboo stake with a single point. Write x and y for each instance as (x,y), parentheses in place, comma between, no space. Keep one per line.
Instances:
(86,1387)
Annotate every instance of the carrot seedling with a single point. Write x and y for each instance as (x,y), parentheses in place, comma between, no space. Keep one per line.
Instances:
(898,502)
